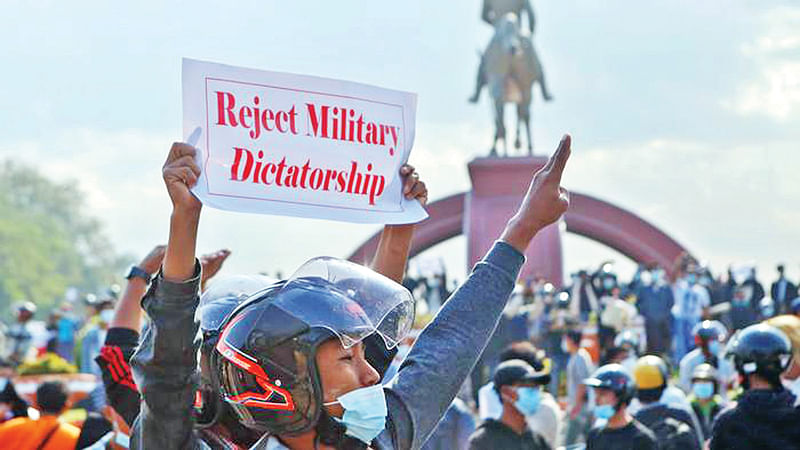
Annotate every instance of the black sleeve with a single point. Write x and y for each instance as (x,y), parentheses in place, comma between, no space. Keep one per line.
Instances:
(19,407)
(480,440)
(114,362)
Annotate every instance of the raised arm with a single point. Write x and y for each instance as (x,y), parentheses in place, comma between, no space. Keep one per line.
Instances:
(128,312)
(395,242)
(448,348)
(165,364)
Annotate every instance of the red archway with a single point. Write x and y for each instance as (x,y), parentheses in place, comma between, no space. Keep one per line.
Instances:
(587,216)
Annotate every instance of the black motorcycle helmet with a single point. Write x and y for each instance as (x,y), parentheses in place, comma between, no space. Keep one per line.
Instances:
(263,364)
(709,330)
(617,379)
(216,304)
(763,350)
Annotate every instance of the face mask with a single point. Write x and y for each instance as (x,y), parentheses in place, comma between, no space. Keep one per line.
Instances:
(608,283)
(703,389)
(691,279)
(3,384)
(528,400)
(713,347)
(364,412)
(564,347)
(604,412)
(657,276)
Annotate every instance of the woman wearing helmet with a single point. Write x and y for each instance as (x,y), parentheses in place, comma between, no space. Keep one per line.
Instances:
(704,397)
(291,362)
(764,416)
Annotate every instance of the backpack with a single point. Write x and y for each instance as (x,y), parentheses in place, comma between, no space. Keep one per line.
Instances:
(673,434)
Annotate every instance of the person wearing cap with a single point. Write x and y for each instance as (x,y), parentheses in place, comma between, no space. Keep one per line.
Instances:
(651,375)
(18,336)
(518,385)
(790,325)
(546,420)
(709,338)
(704,397)
(614,388)
(764,416)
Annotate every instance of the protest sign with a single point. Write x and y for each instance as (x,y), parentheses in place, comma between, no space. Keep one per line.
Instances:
(285,144)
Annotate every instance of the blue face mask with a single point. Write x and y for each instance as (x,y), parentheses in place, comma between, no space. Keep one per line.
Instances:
(604,412)
(713,347)
(703,389)
(364,412)
(528,400)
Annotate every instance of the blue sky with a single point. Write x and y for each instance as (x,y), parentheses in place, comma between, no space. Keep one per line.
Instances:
(684,112)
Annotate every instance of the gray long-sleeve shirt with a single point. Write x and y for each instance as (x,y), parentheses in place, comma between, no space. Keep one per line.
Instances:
(165,365)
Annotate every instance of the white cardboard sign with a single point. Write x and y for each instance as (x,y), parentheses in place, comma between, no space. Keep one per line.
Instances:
(296,145)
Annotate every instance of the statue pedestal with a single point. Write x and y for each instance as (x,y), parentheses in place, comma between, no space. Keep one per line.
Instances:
(498,186)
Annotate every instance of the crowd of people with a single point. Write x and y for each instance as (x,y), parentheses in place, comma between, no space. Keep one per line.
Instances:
(332,357)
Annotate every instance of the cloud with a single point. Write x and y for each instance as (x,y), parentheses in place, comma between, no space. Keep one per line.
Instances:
(775,91)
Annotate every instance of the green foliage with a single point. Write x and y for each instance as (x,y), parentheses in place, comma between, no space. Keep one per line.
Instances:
(47,241)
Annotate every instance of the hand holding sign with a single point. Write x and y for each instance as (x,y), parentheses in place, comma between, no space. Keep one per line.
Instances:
(180,173)
(544,203)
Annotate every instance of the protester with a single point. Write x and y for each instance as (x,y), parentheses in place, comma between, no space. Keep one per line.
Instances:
(655,300)
(332,379)
(790,325)
(66,327)
(11,404)
(546,419)
(674,427)
(579,368)
(691,300)
(764,416)
(18,335)
(704,397)
(709,337)
(518,385)
(46,432)
(628,342)
(783,291)
(614,388)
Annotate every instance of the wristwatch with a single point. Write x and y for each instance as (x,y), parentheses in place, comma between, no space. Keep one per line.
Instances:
(138,272)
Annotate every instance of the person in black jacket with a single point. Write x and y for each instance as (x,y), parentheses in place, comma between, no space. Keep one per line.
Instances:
(782,292)
(614,388)
(11,404)
(765,416)
(651,375)
(518,385)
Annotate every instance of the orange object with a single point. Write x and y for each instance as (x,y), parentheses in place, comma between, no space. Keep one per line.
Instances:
(24,433)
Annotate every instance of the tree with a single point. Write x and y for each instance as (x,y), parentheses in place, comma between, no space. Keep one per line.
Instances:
(47,241)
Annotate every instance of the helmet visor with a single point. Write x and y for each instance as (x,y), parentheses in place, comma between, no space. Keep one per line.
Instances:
(349,300)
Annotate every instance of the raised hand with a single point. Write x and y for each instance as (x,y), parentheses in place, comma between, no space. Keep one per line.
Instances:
(152,261)
(211,263)
(180,173)
(544,203)
(413,188)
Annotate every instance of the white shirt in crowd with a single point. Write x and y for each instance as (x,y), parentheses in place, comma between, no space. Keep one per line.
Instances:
(545,422)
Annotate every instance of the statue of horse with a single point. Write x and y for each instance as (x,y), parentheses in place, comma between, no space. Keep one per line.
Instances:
(509,67)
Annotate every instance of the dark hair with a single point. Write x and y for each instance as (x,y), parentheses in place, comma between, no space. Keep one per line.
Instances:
(51,396)
(525,351)
(332,433)
(650,395)
(575,336)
